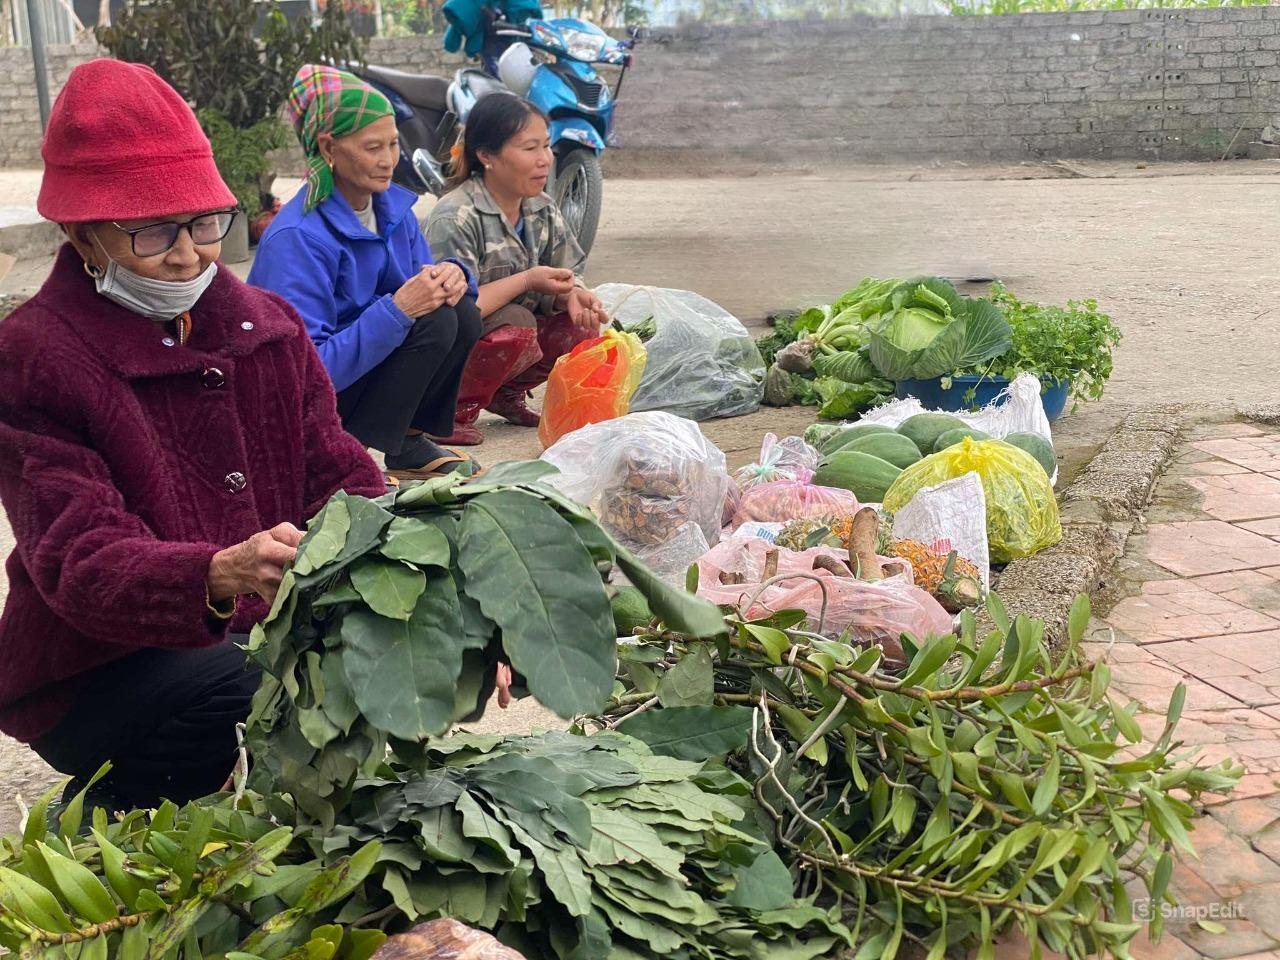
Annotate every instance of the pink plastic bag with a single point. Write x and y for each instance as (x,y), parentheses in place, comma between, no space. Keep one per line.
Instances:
(786,500)
(873,611)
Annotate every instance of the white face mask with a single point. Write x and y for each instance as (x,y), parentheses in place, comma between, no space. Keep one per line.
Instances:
(154,299)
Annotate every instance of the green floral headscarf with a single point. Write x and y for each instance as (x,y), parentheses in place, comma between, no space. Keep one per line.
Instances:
(327,100)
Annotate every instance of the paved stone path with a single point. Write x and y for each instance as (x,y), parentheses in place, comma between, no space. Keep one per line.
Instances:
(1200,605)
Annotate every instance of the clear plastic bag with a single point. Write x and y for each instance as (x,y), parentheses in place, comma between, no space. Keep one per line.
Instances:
(1022,513)
(779,460)
(702,361)
(647,476)
(1017,409)
(594,381)
(877,611)
(785,500)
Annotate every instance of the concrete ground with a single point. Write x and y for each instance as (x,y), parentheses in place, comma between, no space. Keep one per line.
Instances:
(1181,256)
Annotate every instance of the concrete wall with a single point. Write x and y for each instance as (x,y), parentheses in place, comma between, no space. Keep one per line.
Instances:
(1172,84)
(1115,84)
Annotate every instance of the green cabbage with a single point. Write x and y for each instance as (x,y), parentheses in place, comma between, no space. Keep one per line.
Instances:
(928,330)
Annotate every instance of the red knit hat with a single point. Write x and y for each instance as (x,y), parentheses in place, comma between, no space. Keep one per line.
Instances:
(123,145)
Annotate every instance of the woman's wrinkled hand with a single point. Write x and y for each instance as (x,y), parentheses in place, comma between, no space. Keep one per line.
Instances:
(424,292)
(585,309)
(453,280)
(552,281)
(254,566)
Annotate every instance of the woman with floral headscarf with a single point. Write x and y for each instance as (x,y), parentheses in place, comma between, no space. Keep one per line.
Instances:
(393,328)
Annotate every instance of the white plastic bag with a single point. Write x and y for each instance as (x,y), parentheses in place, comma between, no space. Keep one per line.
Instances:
(950,516)
(653,480)
(702,362)
(779,460)
(1017,409)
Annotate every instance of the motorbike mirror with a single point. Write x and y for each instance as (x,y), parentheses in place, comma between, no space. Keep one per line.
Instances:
(429,171)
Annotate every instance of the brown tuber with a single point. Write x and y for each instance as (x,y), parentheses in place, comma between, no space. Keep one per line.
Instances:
(445,940)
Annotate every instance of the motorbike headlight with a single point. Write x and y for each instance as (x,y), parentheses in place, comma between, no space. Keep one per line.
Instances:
(546,37)
(584,46)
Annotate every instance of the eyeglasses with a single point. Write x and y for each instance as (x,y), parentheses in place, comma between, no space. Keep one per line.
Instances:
(157,238)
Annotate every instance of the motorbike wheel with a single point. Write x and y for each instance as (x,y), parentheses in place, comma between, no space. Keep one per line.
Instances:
(578,192)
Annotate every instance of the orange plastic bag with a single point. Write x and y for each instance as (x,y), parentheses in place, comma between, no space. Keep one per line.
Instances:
(592,382)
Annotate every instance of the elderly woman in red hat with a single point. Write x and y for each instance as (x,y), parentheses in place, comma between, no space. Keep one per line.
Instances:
(164,432)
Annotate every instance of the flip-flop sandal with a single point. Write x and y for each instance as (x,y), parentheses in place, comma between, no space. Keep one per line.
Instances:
(435,468)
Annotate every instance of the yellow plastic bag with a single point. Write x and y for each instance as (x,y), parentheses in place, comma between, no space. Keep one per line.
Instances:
(592,382)
(1022,513)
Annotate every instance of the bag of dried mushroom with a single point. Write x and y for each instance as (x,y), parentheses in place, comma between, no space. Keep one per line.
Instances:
(657,484)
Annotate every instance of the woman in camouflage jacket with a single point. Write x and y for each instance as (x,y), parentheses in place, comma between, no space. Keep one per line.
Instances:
(498,222)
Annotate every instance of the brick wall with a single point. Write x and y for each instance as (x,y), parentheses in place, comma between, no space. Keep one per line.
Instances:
(1172,84)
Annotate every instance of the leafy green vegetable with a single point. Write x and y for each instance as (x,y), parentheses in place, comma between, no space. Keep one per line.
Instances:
(841,400)
(1056,344)
(407,605)
(989,782)
(906,346)
(851,366)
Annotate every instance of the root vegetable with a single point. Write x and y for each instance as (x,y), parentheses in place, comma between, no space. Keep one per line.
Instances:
(862,545)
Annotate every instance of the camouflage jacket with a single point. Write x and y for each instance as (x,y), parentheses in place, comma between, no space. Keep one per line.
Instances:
(466,225)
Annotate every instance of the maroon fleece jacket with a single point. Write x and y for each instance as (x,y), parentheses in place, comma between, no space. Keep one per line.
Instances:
(127,461)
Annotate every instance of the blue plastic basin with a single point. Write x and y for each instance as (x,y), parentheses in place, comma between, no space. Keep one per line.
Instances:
(931,394)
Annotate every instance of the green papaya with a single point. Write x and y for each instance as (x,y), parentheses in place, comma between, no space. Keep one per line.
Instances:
(630,610)
(843,435)
(924,429)
(893,447)
(867,477)
(952,437)
(1038,447)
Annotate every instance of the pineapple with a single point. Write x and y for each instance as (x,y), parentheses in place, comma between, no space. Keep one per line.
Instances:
(815,532)
(951,579)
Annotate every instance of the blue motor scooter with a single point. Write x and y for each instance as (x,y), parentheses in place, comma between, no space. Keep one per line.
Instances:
(551,62)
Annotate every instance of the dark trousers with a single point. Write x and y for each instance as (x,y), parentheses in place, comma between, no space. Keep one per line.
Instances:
(164,718)
(417,386)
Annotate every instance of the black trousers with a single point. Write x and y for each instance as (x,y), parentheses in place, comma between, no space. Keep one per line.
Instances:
(417,386)
(164,718)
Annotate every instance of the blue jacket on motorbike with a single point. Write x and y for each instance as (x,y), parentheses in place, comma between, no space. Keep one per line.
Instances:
(467,21)
(341,278)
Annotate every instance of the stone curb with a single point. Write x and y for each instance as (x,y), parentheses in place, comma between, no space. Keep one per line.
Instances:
(1099,511)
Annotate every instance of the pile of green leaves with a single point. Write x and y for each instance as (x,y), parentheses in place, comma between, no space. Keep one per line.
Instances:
(1057,344)
(989,783)
(208,879)
(388,627)
(578,847)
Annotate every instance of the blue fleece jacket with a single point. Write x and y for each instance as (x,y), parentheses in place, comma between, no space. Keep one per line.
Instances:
(341,278)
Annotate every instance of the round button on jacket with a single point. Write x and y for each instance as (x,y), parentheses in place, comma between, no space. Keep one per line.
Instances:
(213,378)
(234,481)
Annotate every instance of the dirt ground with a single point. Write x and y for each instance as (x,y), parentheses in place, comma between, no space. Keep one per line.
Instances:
(1183,257)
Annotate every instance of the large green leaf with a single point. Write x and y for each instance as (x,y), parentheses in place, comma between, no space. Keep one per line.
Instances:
(690,682)
(619,838)
(325,538)
(417,541)
(389,587)
(533,577)
(849,366)
(402,673)
(691,733)
(765,885)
